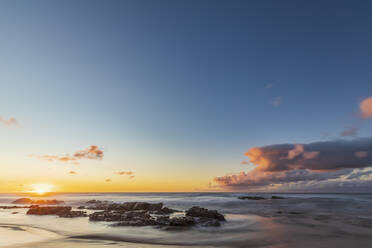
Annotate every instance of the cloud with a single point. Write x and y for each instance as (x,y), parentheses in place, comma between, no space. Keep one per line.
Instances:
(284,164)
(9,122)
(244,162)
(361,154)
(124,173)
(131,177)
(269,86)
(349,131)
(108,180)
(93,152)
(366,108)
(277,101)
(72,172)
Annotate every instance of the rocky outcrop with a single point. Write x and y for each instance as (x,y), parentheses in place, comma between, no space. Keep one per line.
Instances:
(37,202)
(204,213)
(251,198)
(146,214)
(128,206)
(135,214)
(65,212)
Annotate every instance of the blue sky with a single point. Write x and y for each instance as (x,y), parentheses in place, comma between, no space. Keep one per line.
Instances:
(179,86)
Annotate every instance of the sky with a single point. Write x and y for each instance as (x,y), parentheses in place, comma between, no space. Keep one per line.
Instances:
(143,95)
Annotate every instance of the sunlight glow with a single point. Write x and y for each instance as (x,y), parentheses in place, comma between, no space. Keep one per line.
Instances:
(42,188)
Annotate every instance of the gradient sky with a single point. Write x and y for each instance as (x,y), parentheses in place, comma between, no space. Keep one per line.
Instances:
(174,91)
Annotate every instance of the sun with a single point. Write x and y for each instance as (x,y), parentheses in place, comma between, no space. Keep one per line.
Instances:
(42,188)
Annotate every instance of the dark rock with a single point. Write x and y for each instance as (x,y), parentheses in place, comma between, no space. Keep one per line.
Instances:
(293,212)
(204,213)
(14,212)
(11,207)
(73,214)
(166,210)
(277,197)
(251,198)
(36,210)
(64,212)
(182,221)
(81,207)
(93,202)
(37,202)
(127,206)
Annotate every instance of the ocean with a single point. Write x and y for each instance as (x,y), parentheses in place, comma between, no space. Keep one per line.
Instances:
(298,220)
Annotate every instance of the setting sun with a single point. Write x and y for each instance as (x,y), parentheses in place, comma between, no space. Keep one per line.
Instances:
(42,188)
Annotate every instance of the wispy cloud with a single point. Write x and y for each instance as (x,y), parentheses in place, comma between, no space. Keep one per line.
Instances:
(9,122)
(124,173)
(72,172)
(366,108)
(108,180)
(93,152)
(349,132)
(277,101)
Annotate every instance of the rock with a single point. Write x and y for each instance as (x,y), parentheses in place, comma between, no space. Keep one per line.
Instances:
(64,212)
(204,213)
(37,202)
(293,212)
(73,214)
(14,212)
(277,197)
(11,207)
(127,206)
(81,207)
(251,198)
(165,210)
(23,201)
(182,221)
(36,210)
(93,202)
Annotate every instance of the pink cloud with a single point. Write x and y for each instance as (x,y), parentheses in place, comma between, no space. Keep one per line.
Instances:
(361,154)
(277,101)
(349,131)
(93,152)
(9,122)
(366,108)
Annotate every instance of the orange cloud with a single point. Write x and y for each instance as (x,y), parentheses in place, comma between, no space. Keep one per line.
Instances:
(366,108)
(72,172)
(108,180)
(285,163)
(93,152)
(10,122)
(124,173)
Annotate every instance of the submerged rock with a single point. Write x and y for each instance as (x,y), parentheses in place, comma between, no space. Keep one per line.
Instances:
(204,213)
(277,197)
(37,202)
(182,221)
(251,198)
(11,207)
